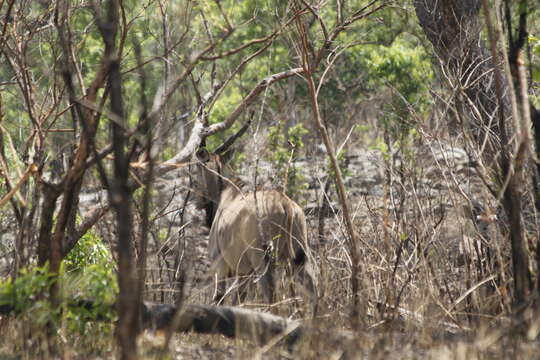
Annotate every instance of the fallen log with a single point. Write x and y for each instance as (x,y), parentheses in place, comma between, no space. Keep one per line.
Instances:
(233,322)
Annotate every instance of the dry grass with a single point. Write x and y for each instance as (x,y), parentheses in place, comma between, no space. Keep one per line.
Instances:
(436,281)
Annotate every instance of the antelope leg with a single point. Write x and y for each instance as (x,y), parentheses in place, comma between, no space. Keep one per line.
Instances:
(267,281)
(241,290)
(220,275)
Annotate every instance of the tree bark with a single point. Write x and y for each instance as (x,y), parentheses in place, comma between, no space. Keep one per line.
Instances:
(454,30)
(120,194)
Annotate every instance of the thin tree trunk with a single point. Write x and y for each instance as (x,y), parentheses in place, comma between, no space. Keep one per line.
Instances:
(512,167)
(121,199)
(353,242)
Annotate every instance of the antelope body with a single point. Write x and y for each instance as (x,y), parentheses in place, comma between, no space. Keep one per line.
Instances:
(252,231)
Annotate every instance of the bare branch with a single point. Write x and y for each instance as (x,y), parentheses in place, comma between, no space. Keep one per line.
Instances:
(32,169)
(241,47)
(232,139)
(250,98)
(352,236)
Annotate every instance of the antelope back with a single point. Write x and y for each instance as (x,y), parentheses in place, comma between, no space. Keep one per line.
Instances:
(247,224)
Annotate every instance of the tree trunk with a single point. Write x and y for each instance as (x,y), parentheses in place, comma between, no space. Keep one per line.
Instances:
(454,30)
(121,198)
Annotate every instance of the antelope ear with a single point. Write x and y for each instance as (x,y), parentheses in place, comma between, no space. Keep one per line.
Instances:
(228,155)
(203,155)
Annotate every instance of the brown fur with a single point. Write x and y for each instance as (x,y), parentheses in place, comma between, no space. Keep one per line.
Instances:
(251,231)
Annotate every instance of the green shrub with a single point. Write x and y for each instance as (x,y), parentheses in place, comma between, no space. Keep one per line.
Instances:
(88,251)
(87,290)
(28,293)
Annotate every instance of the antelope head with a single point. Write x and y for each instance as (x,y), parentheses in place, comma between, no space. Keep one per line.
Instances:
(210,181)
